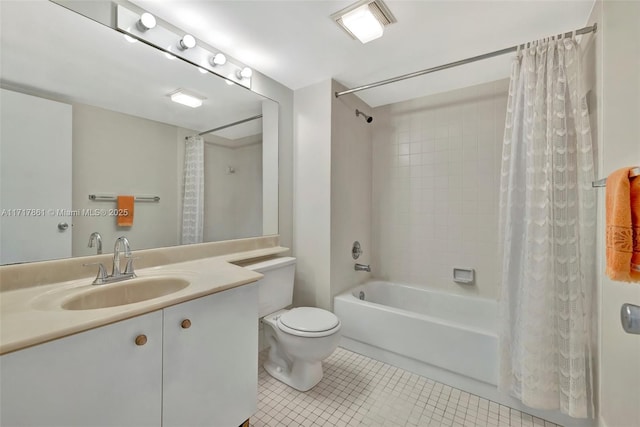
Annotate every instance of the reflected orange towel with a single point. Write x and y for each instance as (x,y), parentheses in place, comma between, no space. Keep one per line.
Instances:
(623,226)
(125,211)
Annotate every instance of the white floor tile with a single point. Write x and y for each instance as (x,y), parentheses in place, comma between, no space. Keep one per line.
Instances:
(357,391)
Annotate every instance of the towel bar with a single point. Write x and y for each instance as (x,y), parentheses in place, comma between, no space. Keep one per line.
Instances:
(603,182)
(114,198)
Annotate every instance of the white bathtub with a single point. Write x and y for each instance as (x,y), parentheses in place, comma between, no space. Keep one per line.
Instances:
(451,332)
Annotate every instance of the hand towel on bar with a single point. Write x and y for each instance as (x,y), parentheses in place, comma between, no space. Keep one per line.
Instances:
(125,211)
(623,226)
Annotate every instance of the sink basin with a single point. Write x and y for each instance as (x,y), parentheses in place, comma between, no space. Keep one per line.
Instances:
(128,292)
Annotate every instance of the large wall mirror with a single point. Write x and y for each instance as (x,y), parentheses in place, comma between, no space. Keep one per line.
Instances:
(86,111)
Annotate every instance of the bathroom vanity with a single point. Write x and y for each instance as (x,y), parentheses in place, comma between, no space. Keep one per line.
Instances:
(185,358)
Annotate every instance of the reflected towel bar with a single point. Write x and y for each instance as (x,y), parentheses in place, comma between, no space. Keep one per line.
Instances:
(603,182)
(114,198)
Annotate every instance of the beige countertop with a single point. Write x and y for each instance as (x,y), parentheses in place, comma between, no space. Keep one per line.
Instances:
(33,315)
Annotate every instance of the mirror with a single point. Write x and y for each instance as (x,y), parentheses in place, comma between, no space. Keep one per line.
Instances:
(86,111)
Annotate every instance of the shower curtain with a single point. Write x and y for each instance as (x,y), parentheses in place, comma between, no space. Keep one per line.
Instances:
(547,221)
(193,199)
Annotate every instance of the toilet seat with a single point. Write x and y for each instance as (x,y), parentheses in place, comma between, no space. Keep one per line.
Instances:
(308,322)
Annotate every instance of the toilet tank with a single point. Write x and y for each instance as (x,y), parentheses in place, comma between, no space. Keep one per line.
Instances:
(275,289)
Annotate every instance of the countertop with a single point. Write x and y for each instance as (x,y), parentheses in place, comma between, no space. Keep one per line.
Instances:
(33,315)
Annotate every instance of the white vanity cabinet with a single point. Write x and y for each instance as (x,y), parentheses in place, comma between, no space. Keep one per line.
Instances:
(192,364)
(96,378)
(210,360)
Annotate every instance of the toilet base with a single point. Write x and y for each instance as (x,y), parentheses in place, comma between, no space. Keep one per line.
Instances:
(303,375)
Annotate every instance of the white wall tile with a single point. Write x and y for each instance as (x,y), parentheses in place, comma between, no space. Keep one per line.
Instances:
(440,208)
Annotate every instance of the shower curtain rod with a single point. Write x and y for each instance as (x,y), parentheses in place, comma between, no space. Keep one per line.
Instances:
(585,30)
(259,116)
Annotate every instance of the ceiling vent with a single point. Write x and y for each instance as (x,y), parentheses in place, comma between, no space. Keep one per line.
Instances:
(377,8)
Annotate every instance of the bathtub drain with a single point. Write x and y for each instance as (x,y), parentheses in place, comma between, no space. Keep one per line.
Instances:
(361,295)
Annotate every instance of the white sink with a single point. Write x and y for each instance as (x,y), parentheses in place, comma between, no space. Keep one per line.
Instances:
(123,293)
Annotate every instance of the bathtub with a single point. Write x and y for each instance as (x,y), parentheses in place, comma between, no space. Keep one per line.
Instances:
(449,332)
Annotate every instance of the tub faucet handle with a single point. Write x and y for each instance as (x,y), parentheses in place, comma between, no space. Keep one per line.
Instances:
(363,267)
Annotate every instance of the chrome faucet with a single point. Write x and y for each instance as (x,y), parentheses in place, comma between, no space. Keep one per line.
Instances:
(128,270)
(363,267)
(95,236)
(116,274)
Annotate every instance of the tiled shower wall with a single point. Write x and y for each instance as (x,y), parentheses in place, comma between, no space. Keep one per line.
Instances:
(436,168)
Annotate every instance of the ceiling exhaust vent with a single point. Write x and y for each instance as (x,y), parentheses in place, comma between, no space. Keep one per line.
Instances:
(377,8)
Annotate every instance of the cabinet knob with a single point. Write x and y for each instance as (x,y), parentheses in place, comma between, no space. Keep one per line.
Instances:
(141,340)
(186,324)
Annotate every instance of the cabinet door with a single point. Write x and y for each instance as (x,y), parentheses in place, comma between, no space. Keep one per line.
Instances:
(96,378)
(210,368)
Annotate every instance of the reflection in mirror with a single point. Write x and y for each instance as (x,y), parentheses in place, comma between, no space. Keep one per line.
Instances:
(87,112)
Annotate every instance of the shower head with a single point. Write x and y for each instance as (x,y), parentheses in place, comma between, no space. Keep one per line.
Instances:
(369,119)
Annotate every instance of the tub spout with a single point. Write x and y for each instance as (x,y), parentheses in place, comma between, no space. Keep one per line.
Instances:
(363,267)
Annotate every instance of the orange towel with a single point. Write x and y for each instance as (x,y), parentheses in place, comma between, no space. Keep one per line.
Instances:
(623,226)
(125,211)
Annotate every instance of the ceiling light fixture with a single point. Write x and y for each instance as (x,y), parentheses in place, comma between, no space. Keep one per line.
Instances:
(245,73)
(146,22)
(365,20)
(185,97)
(187,42)
(218,59)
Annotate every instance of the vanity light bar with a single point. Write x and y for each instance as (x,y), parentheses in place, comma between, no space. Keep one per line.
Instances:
(183,46)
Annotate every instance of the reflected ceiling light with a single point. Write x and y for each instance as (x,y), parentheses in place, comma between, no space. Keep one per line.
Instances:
(146,22)
(185,97)
(218,59)
(365,20)
(229,79)
(202,70)
(245,73)
(169,56)
(187,42)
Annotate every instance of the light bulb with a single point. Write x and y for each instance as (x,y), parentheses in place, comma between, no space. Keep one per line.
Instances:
(245,73)
(187,42)
(146,22)
(218,59)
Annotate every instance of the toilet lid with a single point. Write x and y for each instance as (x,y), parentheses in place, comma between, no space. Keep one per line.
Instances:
(309,319)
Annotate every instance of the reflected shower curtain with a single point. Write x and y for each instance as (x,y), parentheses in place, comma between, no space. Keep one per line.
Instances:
(547,222)
(193,199)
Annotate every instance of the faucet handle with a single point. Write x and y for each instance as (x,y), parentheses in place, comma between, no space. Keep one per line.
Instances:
(129,267)
(101,277)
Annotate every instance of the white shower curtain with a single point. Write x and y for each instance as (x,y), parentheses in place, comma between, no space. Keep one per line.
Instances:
(193,199)
(547,221)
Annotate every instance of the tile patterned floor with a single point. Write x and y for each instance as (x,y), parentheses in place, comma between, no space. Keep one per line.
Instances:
(359,391)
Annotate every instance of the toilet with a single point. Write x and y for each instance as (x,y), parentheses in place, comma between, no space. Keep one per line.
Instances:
(299,338)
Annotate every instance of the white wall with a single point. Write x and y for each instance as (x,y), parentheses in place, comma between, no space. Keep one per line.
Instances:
(616,53)
(312,194)
(436,168)
(270,136)
(265,86)
(351,165)
(248,191)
